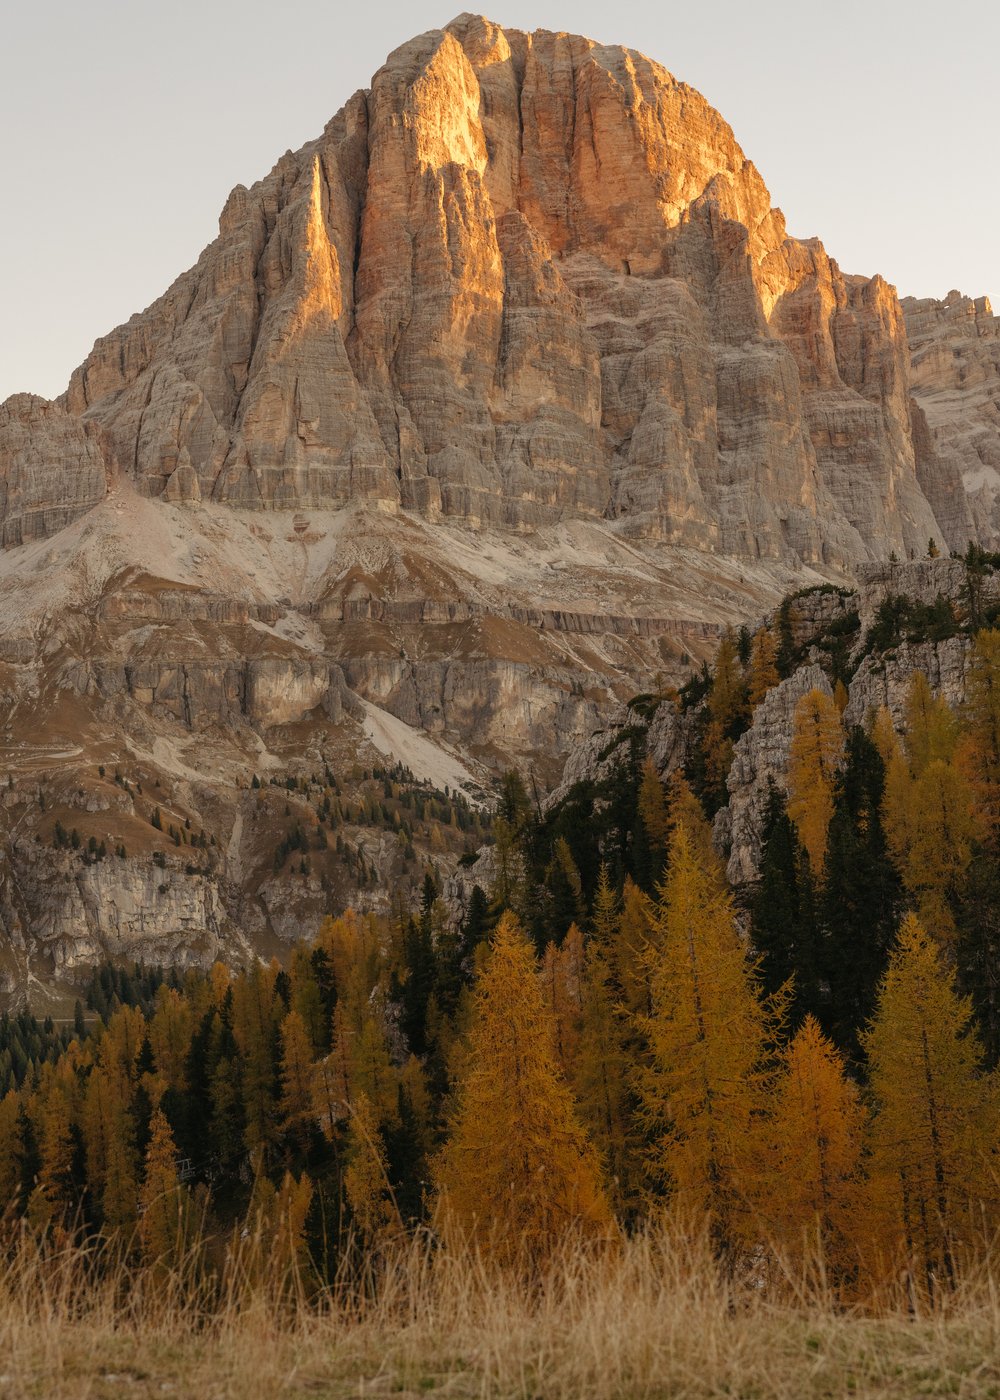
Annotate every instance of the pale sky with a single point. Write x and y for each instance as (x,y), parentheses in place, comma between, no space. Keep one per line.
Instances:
(125,123)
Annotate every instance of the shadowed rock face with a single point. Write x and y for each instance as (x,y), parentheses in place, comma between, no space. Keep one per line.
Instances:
(955,350)
(52,469)
(524,279)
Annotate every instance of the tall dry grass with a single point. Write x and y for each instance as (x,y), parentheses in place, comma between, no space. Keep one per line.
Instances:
(652,1318)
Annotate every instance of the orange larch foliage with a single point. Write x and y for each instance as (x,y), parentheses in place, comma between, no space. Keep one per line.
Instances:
(518,1171)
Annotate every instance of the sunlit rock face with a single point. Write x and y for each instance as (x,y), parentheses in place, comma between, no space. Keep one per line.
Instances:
(525,278)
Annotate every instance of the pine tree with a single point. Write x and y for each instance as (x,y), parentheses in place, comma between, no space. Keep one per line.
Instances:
(418,977)
(655,820)
(707,1031)
(977,950)
(783,916)
(933,1189)
(255,1015)
(815,755)
(860,897)
(787,650)
(517,1171)
(726,713)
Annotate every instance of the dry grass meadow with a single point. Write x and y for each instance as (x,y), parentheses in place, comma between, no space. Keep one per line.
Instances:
(650,1319)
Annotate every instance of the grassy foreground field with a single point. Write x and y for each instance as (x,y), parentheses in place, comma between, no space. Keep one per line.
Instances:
(654,1320)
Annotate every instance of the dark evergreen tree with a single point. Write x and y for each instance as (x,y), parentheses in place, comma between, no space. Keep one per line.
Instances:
(418,980)
(477,924)
(978,948)
(861,898)
(782,913)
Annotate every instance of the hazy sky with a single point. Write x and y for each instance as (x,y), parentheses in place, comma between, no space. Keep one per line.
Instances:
(125,123)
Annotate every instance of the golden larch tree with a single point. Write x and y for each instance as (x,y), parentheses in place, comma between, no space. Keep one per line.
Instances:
(170,1032)
(306,996)
(931,727)
(298,1109)
(933,1137)
(517,1171)
(816,1126)
(51,1114)
(686,810)
(602,1084)
(162,1199)
(763,665)
(605,916)
(943,827)
(561,976)
(930,809)
(255,1027)
(626,960)
(369,1193)
(707,1031)
(814,757)
(11,1147)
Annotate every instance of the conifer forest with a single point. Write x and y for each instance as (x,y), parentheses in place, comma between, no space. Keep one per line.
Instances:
(804,1067)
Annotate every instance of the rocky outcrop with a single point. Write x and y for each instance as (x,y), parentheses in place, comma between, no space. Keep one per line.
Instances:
(884,681)
(760,759)
(123,911)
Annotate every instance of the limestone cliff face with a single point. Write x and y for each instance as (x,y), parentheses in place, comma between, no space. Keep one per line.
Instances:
(52,469)
(524,278)
(955,347)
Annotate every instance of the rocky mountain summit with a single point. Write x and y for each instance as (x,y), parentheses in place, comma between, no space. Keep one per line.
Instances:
(487,409)
(522,278)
